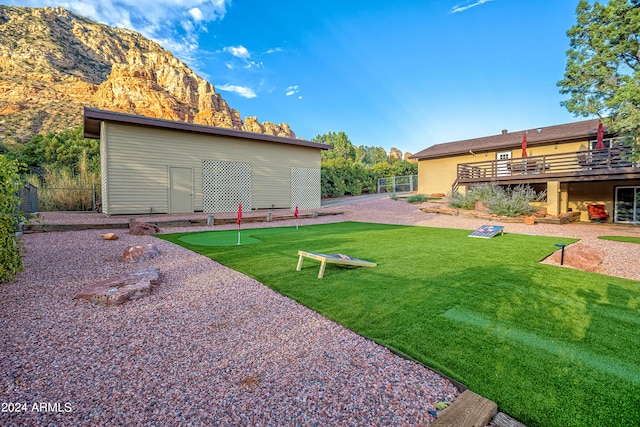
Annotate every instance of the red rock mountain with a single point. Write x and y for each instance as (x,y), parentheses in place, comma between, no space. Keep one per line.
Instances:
(54,62)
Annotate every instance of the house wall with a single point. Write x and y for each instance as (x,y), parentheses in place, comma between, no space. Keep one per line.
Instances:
(136,161)
(437,175)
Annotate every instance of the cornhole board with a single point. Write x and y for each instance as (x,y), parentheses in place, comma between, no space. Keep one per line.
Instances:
(487,231)
(332,259)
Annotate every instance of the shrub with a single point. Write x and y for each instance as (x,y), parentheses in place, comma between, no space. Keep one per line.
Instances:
(462,200)
(417,198)
(341,176)
(499,201)
(64,190)
(514,201)
(485,192)
(10,216)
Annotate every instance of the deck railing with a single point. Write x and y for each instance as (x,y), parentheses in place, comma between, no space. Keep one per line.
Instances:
(563,163)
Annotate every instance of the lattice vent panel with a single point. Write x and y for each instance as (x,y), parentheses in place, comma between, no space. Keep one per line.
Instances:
(225,185)
(305,188)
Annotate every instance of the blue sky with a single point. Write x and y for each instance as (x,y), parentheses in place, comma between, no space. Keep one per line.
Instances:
(395,73)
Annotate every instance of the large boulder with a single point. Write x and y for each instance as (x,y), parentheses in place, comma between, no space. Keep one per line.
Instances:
(143,228)
(580,256)
(123,287)
(136,253)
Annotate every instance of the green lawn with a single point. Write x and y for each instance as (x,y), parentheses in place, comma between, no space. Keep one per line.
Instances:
(625,239)
(551,346)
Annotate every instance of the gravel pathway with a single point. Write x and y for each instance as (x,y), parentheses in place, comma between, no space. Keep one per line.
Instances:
(211,346)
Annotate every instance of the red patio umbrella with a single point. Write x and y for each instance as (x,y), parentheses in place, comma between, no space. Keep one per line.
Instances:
(524,145)
(600,143)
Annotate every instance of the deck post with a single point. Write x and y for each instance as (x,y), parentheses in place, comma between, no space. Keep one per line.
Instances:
(553,197)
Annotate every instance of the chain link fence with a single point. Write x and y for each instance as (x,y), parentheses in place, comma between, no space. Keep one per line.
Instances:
(396,184)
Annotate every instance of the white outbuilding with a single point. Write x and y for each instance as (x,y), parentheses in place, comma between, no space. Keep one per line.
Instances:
(151,165)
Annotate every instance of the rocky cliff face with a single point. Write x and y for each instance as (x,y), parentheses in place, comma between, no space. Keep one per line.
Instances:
(54,62)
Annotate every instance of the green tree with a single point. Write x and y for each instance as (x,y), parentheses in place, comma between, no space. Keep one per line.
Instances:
(382,169)
(379,156)
(355,170)
(10,256)
(332,177)
(363,155)
(403,168)
(369,155)
(59,151)
(342,146)
(603,61)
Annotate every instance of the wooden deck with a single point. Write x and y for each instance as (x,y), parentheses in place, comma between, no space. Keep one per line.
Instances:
(588,165)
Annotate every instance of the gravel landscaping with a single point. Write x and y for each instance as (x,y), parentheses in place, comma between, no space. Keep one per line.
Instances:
(211,346)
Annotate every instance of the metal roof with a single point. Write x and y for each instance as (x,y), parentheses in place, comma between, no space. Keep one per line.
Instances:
(584,130)
(93,117)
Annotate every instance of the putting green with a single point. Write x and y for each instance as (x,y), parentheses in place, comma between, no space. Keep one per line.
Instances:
(230,237)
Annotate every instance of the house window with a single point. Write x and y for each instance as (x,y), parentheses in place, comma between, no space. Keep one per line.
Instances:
(627,205)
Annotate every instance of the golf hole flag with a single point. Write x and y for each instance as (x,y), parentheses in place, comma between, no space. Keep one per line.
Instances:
(239,220)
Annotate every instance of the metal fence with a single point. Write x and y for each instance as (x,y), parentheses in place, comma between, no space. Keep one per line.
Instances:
(397,184)
(34,199)
(29,199)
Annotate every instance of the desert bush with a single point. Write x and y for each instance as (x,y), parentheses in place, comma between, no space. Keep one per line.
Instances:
(485,192)
(64,190)
(460,200)
(499,201)
(417,198)
(10,216)
(512,202)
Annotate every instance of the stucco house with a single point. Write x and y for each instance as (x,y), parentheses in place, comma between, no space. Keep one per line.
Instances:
(151,165)
(561,159)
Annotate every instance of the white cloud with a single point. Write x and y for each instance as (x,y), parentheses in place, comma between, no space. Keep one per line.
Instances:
(252,64)
(238,51)
(196,14)
(462,8)
(274,50)
(291,90)
(245,92)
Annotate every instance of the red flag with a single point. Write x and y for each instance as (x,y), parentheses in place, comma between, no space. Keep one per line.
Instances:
(239,215)
(524,145)
(296,213)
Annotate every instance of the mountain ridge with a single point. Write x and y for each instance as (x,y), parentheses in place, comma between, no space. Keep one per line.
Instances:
(54,62)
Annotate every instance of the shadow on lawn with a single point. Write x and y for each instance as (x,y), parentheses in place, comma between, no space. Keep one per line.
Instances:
(544,341)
